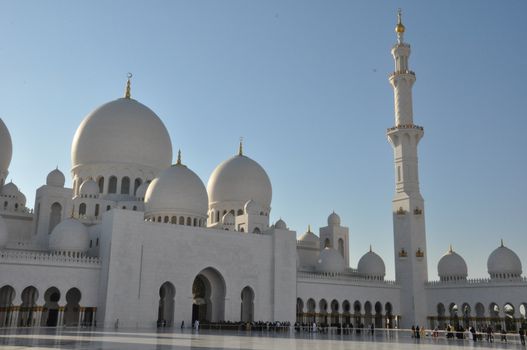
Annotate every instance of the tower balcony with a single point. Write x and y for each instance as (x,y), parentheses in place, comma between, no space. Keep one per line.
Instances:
(402,72)
(405,126)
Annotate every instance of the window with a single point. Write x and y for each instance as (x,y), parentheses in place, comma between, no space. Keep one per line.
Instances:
(181,220)
(112,185)
(55,216)
(108,207)
(125,185)
(97,242)
(82,209)
(101,184)
(189,221)
(96,210)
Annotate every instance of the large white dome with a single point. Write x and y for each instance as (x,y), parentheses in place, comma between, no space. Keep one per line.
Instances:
(331,261)
(504,263)
(240,179)
(122,131)
(371,265)
(4,237)
(69,235)
(6,147)
(452,266)
(177,190)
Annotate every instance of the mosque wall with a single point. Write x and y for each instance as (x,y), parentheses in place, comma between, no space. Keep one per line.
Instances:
(139,257)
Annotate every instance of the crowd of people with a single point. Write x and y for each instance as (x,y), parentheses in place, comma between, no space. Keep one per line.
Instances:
(482,332)
(450,331)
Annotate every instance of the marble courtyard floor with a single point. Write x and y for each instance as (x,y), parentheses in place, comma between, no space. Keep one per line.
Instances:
(147,339)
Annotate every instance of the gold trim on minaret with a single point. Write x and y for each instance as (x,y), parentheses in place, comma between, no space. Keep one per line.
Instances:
(127,93)
(399,28)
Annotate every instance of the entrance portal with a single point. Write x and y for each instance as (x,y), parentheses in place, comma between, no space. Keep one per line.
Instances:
(165,314)
(208,296)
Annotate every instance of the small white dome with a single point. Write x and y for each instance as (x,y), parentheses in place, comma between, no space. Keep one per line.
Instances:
(56,178)
(331,261)
(177,190)
(504,263)
(309,237)
(280,224)
(333,219)
(122,131)
(251,207)
(69,236)
(6,147)
(452,266)
(89,188)
(240,179)
(228,219)
(10,190)
(141,190)
(4,236)
(371,265)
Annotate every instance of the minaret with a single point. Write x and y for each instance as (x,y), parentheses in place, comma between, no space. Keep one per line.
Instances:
(408,204)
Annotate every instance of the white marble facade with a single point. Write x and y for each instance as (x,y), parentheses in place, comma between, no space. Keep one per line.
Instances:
(137,241)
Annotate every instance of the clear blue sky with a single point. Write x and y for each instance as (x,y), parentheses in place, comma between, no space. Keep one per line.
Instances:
(305,83)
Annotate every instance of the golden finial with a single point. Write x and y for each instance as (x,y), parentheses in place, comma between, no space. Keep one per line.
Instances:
(370,248)
(128,86)
(309,228)
(502,243)
(399,28)
(450,249)
(178,162)
(240,149)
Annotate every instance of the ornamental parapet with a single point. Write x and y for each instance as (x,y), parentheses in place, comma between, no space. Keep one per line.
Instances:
(336,276)
(405,126)
(476,281)
(45,258)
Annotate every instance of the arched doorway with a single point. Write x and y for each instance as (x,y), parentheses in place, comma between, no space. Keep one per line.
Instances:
(388,309)
(367,314)
(356,313)
(247,309)
(299,310)
(510,320)
(346,308)
(480,315)
(165,312)
(465,308)
(323,311)
(335,317)
(72,309)
(29,299)
(454,317)
(311,310)
(7,295)
(50,313)
(494,311)
(208,296)
(378,315)
(55,216)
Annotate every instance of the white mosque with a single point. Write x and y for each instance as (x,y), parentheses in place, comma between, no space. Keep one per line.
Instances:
(138,241)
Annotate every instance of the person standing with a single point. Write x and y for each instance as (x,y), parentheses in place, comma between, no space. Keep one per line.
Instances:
(521,332)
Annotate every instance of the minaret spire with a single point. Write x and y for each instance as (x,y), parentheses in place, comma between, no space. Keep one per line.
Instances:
(399,28)
(178,162)
(127,92)
(240,149)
